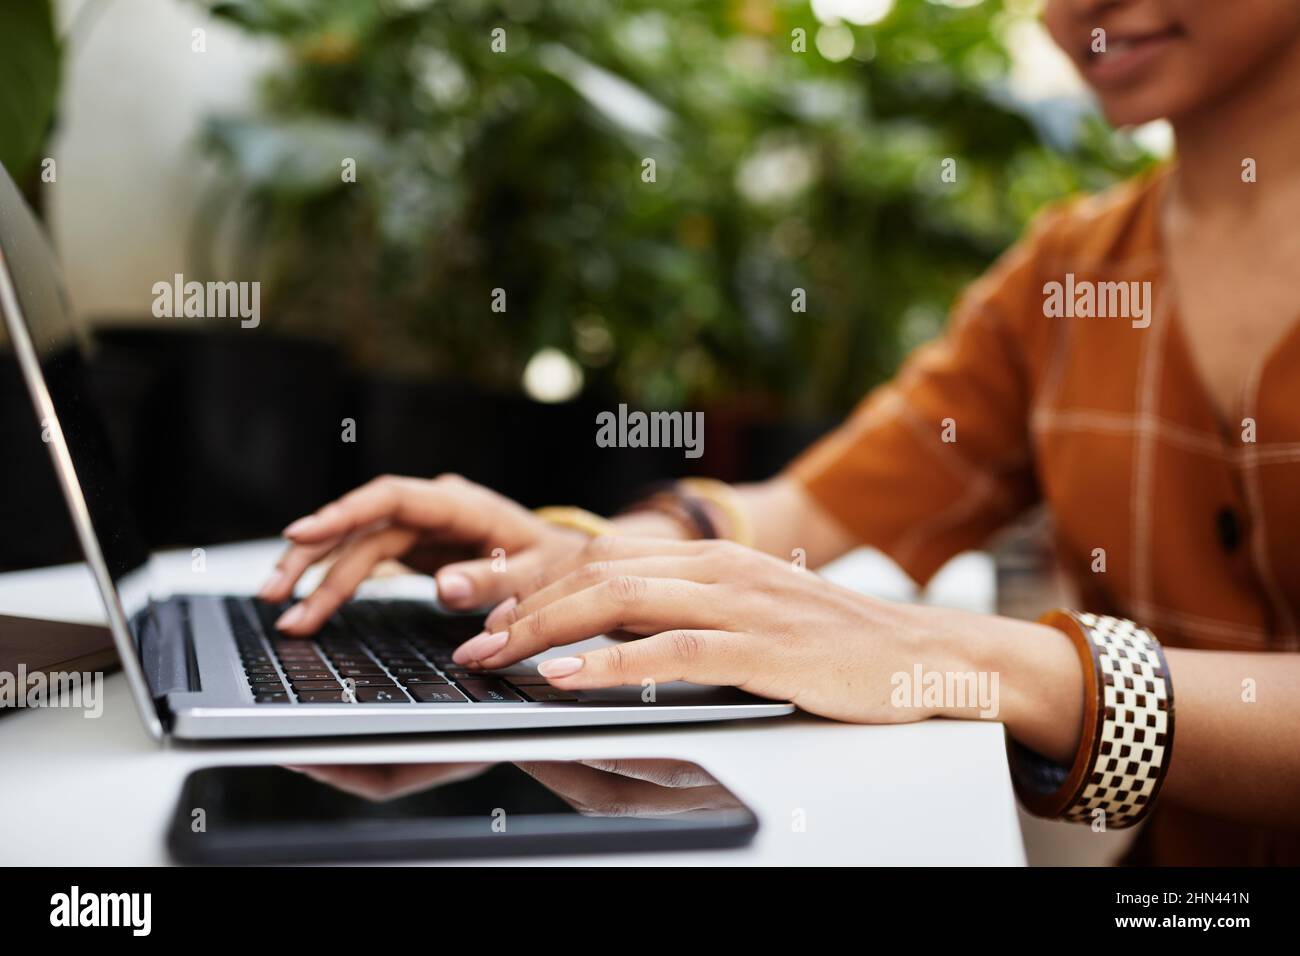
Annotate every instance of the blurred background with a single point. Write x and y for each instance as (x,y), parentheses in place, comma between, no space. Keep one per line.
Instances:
(796,146)
(798,151)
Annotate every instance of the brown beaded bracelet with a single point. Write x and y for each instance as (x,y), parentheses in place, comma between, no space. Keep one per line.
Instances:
(667,499)
(1128,728)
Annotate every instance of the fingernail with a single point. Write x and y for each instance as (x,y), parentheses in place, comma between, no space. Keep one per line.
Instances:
(560,667)
(454,587)
(498,613)
(271,583)
(480,647)
(300,526)
(291,617)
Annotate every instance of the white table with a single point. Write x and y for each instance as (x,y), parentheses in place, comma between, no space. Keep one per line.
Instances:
(81,791)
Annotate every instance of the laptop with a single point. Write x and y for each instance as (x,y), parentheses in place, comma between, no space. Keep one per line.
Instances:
(213,666)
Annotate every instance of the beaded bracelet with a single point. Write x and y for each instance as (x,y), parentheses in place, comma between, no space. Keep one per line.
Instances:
(1128,728)
(667,499)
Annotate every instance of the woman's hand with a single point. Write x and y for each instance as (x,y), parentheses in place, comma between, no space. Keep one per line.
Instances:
(494,546)
(380,783)
(631,788)
(718,613)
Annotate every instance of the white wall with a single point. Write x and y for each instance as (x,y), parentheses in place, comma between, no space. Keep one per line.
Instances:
(128,172)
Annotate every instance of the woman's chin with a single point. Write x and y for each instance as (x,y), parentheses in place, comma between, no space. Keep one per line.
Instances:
(1136,109)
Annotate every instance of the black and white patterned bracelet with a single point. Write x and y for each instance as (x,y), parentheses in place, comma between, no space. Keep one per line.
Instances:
(1128,728)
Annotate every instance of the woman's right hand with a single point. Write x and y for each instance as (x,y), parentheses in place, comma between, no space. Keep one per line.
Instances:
(480,545)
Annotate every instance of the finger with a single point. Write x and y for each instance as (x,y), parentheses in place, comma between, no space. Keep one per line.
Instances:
(295,560)
(600,793)
(448,505)
(355,561)
(688,568)
(369,783)
(699,656)
(610,548)
(658,770)
(640,605)
(485,581)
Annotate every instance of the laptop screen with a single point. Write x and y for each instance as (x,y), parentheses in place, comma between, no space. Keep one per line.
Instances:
(61,349)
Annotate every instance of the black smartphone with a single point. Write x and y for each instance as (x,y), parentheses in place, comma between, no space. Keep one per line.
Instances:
(404,811)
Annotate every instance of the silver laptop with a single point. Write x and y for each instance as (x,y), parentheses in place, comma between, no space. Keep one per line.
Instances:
(205,666)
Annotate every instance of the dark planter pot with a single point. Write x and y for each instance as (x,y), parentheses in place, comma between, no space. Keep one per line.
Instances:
(34,525)
(231,434)
(425,429)
(223,434)
(768,446)
(533,452)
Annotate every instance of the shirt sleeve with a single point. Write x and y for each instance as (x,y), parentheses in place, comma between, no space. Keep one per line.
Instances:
(934,461)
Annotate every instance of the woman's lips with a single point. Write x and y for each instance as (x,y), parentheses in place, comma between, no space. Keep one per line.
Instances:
(1127,57)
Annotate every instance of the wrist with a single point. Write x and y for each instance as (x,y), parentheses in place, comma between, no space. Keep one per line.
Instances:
(1036,672)
(648,524)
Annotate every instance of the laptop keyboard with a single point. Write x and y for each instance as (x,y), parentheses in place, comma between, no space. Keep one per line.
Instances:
(374,652)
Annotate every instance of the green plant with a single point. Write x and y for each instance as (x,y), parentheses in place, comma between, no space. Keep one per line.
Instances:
(29,82)
(521,170)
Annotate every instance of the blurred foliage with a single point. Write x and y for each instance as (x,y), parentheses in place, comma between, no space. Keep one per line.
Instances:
(29,82)
(522,170)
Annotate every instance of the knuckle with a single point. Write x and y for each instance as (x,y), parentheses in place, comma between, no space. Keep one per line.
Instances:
(722,549)
(600,548)
(627,588)
(538,580)
(617,659)
(684,645)
(593,572)
(534,627)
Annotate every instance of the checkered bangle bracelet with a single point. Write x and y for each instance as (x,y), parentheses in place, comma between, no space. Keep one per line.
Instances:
(1128,728)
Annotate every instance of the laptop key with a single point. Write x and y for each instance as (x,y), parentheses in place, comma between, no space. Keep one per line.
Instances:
(321,697)
(528,680)
(488,691)
(374,670)
(378,681)
(409,668)
(380,695)
(426,678)
(279,697)
(271,678)
(301,685)
(304,673)
(296,658)
(549,695)
(437,694)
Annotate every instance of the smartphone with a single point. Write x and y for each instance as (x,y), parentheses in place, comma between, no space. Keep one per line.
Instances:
(405,811)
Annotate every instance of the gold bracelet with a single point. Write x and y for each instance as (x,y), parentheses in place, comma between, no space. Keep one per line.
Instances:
(577,519)
(727,500)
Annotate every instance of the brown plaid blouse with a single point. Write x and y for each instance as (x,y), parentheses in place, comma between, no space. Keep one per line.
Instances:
(1102,416)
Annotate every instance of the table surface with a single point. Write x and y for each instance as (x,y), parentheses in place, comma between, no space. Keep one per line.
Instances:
(84,791)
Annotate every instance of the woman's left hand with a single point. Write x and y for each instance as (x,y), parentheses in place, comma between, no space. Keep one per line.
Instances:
(714,612)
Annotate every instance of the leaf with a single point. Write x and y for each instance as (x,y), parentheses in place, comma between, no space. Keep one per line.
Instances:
(29,81)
